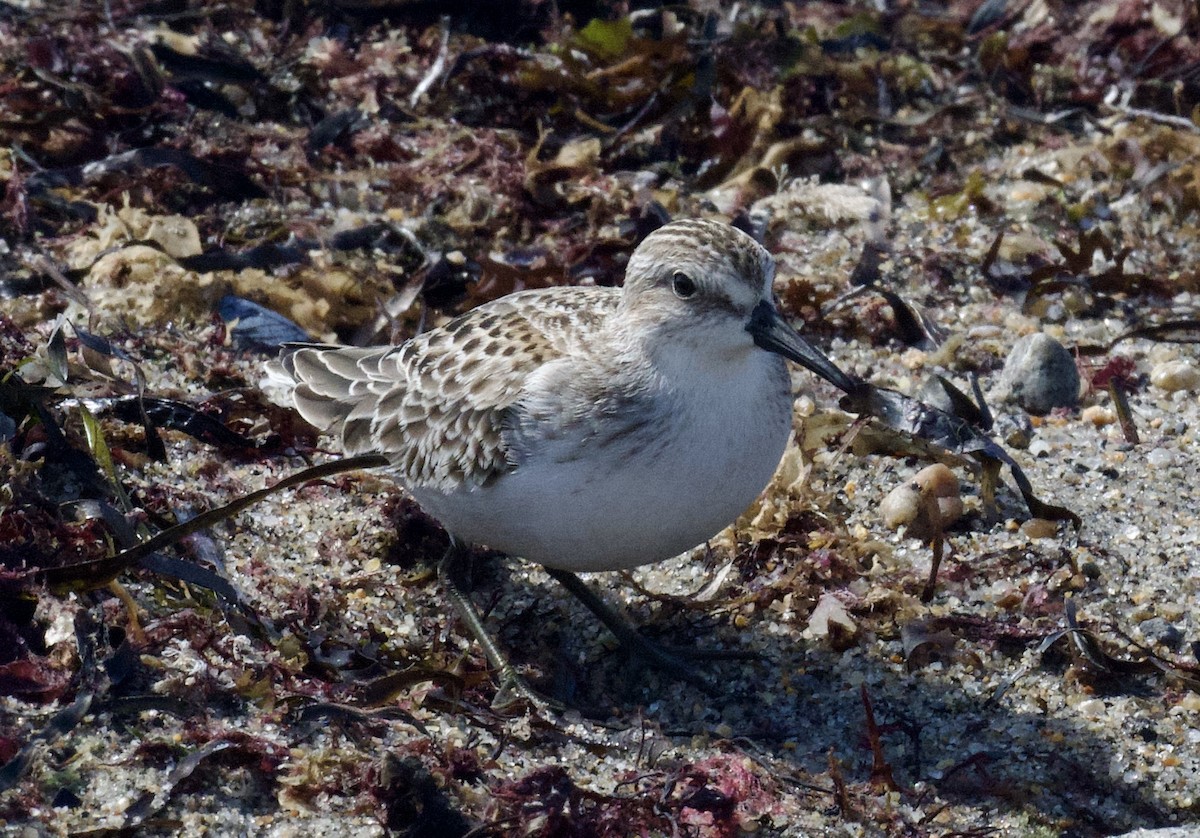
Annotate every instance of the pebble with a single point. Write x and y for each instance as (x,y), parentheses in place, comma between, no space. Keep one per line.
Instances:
(1158,631)
(1098,415)
(1040,528)
(1173,376)
(1172,611)
(1175,427)
(830,618)
(1040,447)
(1040,375)
(1160,457)
(926,504)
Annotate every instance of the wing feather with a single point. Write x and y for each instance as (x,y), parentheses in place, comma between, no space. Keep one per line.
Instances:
(437,406)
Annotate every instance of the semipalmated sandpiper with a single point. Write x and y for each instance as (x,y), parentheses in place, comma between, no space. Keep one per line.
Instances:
(584,429)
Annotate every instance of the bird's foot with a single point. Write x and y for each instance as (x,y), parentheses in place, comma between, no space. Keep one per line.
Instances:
(674,661)
(515,690)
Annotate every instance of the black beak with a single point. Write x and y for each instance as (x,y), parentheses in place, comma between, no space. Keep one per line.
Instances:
(772,333)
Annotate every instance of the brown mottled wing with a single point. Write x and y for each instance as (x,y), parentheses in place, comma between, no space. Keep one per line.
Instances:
(436,406)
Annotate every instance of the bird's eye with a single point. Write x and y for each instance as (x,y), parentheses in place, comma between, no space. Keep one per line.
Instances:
(683,285)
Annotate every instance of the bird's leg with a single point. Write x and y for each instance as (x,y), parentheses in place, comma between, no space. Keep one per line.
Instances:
(451,571)
(674,662)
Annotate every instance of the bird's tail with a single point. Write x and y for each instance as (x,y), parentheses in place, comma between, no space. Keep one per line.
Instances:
(324,383)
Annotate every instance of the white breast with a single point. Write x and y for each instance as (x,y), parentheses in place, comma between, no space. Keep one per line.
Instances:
(581,503)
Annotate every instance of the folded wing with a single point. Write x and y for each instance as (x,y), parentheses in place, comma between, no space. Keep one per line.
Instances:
(437,406)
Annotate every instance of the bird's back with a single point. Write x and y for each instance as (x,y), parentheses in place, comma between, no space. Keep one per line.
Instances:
(437,405)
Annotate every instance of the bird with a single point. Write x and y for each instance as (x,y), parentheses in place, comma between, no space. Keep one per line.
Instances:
(581,428)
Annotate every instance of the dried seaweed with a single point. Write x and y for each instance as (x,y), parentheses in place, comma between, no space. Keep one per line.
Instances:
(222,180)
(412,801)
(1088,650)
(1186,330)
(950,433)
(66,719)
(99,572)
(881,769)
(1078,268)
(172,415)
(913,326)
(150,803)
(265,755)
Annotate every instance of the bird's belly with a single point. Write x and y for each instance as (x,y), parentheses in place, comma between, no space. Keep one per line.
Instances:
(588,507)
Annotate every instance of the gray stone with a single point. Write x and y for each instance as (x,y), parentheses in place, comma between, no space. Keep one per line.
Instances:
(1040,375)
(1158,631)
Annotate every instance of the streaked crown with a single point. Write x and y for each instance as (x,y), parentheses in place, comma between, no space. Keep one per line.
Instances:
(721,267)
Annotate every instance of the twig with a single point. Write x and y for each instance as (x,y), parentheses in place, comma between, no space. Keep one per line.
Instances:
(436,69)
(108,569)
(1155,116)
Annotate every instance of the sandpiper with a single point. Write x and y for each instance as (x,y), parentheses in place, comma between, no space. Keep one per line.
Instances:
(584,429)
